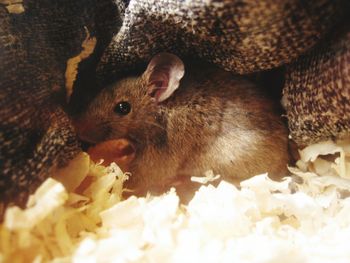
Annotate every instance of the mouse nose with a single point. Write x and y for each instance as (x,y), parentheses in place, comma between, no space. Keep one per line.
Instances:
(121,151)
(89,131)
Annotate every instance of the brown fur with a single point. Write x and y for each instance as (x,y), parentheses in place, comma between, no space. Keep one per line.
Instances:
(213,121)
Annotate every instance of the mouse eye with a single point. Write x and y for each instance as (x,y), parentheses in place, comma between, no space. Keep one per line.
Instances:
(122,108)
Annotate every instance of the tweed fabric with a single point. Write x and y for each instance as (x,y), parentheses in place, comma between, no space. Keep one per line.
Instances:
(35,132)
(317,91)
(242,36)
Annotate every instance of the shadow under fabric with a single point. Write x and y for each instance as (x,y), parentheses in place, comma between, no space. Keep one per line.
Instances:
(310,37)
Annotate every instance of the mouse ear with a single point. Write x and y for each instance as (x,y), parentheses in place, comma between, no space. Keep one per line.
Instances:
(163,75)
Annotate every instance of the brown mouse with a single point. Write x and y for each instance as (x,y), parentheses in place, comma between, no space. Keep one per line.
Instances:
(166,126)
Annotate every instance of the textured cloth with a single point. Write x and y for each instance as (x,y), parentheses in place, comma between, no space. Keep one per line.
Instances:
(35,44)
(241,36)
(39,38)
(317,91)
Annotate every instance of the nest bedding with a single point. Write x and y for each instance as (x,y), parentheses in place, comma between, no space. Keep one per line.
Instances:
(303,218)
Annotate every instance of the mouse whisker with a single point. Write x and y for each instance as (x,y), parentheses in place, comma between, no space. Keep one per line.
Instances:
(135,139)
(156,125)
(104,123)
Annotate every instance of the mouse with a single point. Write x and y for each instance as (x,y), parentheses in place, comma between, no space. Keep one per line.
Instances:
(177,120)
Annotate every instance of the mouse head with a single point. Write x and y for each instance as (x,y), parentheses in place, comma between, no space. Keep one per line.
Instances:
(132,107)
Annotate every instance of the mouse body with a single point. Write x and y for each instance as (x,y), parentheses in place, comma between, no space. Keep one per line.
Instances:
(176,123)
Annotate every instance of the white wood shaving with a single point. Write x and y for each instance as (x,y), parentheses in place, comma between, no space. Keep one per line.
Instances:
(304,220)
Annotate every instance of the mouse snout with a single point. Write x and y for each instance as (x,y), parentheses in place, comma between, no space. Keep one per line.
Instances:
(121,151)
(89,131)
